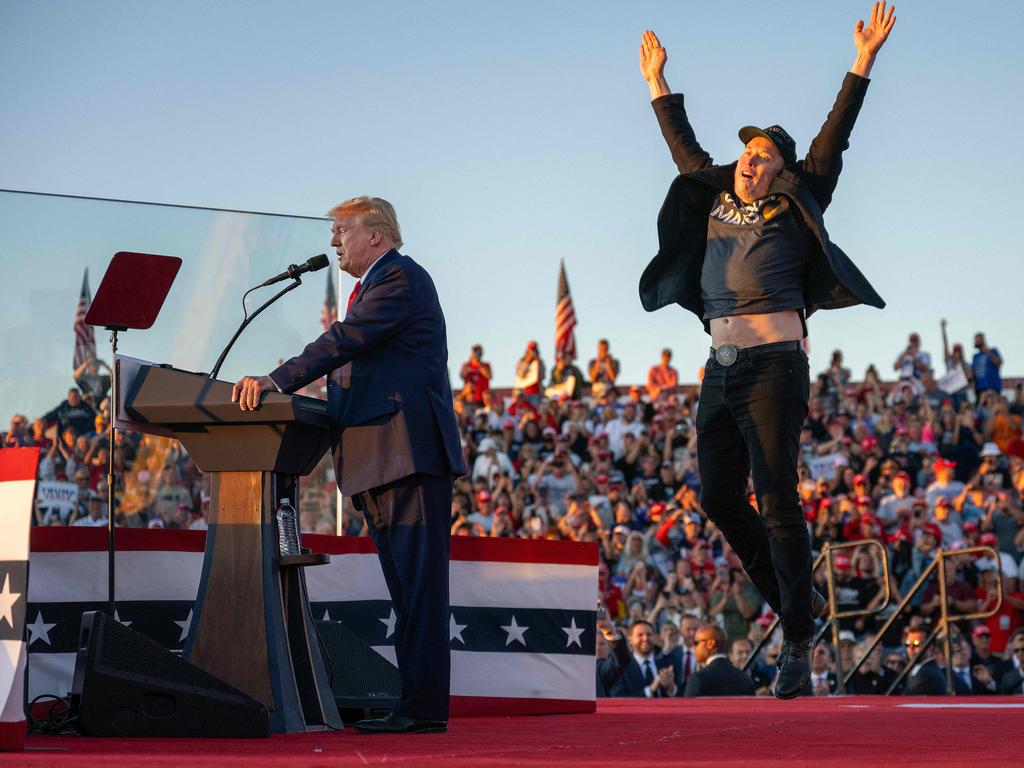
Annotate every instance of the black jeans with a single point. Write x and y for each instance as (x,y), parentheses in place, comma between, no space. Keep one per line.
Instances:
(748,422)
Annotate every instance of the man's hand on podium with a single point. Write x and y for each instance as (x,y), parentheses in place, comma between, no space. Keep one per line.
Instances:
(247,391)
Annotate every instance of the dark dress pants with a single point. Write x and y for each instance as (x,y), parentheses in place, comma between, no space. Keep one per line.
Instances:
(409,523)
(748,423)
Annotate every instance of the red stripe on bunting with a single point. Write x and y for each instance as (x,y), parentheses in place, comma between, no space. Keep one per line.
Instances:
(18,464)
(471,548)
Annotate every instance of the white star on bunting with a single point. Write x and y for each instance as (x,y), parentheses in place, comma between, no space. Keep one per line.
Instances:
(7,601)
(573,633)
(185,625)
(39,630)
(327,616)
(515,632)
(389,622)
(454,629)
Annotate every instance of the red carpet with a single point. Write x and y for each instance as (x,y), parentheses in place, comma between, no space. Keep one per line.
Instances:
(848,731)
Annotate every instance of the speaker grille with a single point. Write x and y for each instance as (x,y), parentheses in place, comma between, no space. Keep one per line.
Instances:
(126,652)
(358,673)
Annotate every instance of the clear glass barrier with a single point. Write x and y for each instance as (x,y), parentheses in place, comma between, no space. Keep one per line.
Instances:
(46,245)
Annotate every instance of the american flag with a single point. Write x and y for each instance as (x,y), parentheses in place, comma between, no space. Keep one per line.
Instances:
(565,317)
(85,336)
(329,313)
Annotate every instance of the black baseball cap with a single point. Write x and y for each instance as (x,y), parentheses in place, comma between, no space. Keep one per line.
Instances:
(777,135)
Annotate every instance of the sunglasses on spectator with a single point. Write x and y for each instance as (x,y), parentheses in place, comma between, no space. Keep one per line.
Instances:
(912,644)
(1019,650)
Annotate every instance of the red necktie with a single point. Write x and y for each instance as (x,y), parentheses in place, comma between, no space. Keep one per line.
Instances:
(352,296)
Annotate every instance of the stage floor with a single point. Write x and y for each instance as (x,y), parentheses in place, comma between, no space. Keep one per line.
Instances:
(845,731)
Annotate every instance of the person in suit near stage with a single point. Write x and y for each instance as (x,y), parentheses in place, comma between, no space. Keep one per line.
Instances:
(872,678)
(1012,682)
(967,681)
(396,441)
(823,679)
(613,655)
(645,675)
(926,677)
(718,676)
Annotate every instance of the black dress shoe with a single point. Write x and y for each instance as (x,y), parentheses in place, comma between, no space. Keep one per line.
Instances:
(395,723)
(819,605)
(794,669)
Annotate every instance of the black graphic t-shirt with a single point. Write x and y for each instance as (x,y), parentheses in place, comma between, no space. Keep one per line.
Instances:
(755,257)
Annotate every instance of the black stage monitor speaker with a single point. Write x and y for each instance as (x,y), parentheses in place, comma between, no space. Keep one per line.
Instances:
(363,682)
(128,685)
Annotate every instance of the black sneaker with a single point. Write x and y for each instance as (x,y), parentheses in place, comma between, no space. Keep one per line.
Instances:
(794,669)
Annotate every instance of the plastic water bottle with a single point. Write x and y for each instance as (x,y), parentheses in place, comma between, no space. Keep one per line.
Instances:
(287,529)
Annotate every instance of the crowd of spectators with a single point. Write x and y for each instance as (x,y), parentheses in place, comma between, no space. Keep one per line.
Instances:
(929,460)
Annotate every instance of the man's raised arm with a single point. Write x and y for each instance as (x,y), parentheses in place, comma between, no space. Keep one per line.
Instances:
(869,39)
(675,126)
(824,161)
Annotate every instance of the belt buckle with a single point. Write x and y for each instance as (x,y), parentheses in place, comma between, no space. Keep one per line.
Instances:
(726,354)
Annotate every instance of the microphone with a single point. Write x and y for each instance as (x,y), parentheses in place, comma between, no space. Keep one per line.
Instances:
(312,265)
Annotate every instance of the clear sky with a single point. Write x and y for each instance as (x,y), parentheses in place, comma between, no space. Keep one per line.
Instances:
(512,135)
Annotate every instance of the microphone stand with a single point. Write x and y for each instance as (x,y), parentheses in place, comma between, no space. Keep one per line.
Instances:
(249,319)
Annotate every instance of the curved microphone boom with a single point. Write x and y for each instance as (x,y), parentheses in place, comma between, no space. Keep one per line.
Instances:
(312,265)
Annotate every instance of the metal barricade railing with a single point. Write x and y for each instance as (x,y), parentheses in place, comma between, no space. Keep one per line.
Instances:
(825,558)
(936,567)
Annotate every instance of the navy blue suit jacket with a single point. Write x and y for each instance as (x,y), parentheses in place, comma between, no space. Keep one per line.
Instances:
(631,682)
(388,390)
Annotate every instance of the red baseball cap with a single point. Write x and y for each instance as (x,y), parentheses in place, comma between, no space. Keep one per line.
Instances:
(988,539)
(941,464)
(859,479)
(902,534)
(981,629)
(842,561)
(601,479)
(483,496)
(934,530)
(969,526)
(902,473)
(869,442)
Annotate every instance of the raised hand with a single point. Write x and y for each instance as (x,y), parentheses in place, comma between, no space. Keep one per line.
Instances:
(652,64)
(869,38)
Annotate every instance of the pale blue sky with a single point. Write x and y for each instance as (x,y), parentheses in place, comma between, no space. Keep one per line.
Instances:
(512,135)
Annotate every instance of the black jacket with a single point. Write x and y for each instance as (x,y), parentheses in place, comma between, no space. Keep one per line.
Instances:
(719,678)
(930,680)
(673,276)
(1012,682)
(610,670)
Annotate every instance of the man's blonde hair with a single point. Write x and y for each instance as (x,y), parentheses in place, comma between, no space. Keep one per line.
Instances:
(374,213)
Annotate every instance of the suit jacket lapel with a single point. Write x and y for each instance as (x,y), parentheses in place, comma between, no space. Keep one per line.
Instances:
(376,272)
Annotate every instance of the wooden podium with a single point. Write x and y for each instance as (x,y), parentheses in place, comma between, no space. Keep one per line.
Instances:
(251,626)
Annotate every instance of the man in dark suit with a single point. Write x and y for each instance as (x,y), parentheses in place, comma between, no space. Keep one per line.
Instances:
(396,441)
(718,677)
(1012,681)
(613,656)
(645,675)
(926,677)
